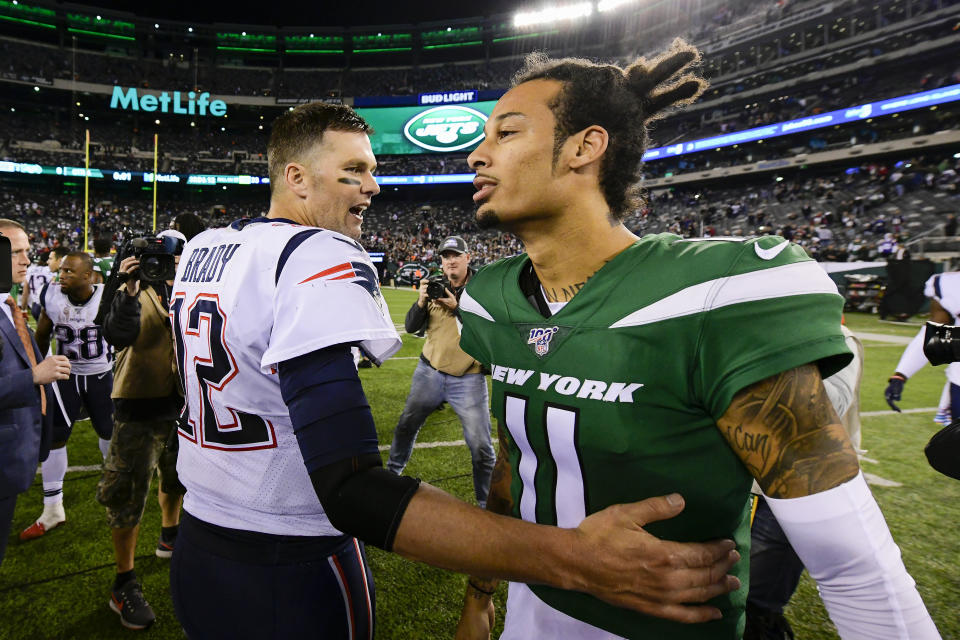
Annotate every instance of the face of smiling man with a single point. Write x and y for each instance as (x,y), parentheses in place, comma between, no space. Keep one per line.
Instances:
(335,182)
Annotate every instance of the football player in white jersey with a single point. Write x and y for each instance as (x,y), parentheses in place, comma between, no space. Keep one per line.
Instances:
(279,454)
(68,310)
(38,276)
(943,290)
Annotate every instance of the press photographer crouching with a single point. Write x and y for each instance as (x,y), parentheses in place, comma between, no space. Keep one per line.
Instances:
(147,398)
(445,372)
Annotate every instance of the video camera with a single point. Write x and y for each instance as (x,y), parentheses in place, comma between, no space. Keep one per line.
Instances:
(156,256)
(437,287)
(941,345)
(6,272)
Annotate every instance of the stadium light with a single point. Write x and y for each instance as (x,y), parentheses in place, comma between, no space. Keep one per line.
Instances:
(552,14)
(609,5)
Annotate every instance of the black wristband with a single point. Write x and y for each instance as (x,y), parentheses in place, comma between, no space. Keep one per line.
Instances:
(483,591)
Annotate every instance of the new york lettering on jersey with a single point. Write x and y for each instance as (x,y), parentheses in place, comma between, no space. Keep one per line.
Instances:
(78,336)
(637,369)
(238,446)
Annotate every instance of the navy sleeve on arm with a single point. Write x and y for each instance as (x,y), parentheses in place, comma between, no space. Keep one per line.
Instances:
(338,440)
(328,409)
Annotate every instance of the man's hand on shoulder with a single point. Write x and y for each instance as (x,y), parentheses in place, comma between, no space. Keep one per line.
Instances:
(50,369)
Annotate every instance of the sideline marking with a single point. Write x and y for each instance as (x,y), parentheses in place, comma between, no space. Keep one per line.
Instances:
(890,412)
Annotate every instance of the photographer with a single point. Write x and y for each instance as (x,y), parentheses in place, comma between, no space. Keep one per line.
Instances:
(147,400)
(445,372)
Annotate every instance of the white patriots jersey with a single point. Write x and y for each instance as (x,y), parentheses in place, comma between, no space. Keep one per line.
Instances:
(78,336)
(38,276)
(247,297)
(945,289)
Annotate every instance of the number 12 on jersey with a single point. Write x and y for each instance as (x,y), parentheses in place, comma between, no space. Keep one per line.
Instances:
(200,346)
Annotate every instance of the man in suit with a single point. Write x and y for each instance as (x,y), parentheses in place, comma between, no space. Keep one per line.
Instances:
(25,377)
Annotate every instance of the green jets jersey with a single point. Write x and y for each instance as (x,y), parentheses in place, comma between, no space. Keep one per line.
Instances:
(103,266)
(615,398)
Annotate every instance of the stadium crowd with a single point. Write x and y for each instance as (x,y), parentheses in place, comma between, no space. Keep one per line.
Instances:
(864,212)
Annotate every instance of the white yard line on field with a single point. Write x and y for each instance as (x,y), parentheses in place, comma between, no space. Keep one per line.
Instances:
(884,337)
(888,412)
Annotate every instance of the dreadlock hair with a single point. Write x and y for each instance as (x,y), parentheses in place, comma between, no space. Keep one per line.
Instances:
(296,132)
(622,101)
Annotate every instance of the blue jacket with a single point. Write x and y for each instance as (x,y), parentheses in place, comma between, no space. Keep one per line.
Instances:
(24,432)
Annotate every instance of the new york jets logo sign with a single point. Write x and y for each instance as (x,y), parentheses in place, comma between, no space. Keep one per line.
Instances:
(448,128)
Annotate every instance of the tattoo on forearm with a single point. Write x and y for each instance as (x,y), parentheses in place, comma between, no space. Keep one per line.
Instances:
(350,181)
(786,432)
(499,498)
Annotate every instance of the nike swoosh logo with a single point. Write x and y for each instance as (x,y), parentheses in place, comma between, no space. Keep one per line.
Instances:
(772,252)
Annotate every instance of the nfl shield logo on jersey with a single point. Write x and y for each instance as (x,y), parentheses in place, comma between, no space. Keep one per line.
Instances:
(540,338)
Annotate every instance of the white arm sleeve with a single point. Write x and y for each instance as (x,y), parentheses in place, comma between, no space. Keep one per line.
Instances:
(843,540)
(913,359)
(843,386)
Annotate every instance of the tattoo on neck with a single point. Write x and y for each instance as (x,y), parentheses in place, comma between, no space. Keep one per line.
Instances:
(350,181)
(563,294)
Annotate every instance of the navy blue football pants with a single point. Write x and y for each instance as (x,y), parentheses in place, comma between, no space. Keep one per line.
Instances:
(91,391)
(228,583)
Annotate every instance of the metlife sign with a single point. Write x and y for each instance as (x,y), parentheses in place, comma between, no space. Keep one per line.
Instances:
(438,129)
(189,104)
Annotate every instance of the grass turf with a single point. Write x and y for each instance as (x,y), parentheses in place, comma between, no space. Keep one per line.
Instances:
(58,586)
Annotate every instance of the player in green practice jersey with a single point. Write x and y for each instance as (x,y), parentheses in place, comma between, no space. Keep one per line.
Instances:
(625,368)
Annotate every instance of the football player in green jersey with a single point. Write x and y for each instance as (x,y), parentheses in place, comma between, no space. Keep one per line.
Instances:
(102,260)
(625,368)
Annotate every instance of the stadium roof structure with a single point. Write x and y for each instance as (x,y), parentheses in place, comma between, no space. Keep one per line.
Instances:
(356,13)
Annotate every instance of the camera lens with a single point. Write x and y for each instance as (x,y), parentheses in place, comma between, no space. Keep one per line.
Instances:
(151,268)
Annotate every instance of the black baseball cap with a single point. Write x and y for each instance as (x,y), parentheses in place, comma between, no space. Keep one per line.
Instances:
(453,243)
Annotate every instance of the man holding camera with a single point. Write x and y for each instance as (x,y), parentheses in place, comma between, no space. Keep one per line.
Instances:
(445,372)
(148,399)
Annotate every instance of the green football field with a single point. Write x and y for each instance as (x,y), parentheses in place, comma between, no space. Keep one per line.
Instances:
(58,586)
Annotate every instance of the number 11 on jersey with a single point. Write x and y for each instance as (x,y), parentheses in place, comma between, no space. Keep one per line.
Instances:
(561,426)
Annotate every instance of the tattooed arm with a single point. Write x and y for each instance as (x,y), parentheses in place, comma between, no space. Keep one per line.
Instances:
(477,616)
(788,435)
(786,432)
